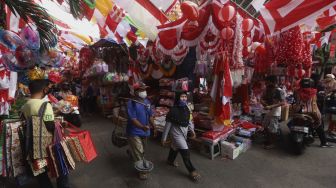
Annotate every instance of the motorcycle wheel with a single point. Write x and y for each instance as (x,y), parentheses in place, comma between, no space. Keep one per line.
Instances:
(298,147)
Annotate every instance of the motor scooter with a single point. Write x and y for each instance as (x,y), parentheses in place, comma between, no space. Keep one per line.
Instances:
(301,130)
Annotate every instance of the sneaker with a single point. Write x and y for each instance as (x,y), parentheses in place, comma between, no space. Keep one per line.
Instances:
(326,145)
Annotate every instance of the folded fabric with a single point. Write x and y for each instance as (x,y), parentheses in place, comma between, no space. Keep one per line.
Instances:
(216,134)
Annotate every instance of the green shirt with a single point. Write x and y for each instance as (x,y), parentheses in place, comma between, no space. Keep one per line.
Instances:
(32,107)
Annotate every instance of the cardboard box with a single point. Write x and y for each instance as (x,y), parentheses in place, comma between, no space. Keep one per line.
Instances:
(230,150)
(247,143)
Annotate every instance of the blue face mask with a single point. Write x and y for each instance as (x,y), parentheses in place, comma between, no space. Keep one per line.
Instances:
(182,103)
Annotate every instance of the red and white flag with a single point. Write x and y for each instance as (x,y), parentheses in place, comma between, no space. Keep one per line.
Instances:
(14,22)
(281,15)
(145,15)
(115,17)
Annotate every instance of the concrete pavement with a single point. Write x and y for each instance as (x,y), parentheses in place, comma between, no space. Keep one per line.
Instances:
(257,168)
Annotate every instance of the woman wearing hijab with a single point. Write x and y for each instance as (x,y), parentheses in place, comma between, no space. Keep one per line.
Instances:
(177,126)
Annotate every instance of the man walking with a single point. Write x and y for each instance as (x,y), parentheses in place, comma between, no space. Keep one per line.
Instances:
(138,126)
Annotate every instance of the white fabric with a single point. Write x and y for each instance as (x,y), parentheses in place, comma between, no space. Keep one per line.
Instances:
(289,7)
(214,89)
(141,17)
(257,4)
(163,4)
(4,108)
(4,83)
(12,84)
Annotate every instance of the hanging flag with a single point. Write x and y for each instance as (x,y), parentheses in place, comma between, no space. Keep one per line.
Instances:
(325,22)
(13,21)
(257,4)
(164,5)
(145,15)
(281,15)
(115,17)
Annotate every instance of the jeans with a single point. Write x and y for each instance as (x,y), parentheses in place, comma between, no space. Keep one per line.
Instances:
(45,182)
(185,153)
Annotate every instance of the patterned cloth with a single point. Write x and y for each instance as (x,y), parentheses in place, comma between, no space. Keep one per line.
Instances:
(17,161)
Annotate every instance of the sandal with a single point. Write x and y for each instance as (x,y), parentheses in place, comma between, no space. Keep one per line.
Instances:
(143,176)
(173,164)
(195,176)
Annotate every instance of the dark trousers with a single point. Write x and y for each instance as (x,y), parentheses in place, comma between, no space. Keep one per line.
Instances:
(321,134)
(45,182)
(185,153)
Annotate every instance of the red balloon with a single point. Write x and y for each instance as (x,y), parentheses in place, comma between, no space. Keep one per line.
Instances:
(246,41)
(227,13)
(227,33)
(190,10)
(247,25)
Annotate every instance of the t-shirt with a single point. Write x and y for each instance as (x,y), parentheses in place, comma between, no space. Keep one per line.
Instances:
(140,112)
(32,107)
(277,96)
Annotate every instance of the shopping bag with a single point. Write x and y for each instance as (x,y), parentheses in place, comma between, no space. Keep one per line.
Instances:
(65,150)
(52,165)
(85,142)
(75,148)
(42,138)
(61,161)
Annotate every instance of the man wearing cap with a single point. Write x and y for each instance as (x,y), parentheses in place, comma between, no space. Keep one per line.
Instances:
(138,126)
(329,84)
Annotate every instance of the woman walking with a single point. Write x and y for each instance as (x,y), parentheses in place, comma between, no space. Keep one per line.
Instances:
(177,126)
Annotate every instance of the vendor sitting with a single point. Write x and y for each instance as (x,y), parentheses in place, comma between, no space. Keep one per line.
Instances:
(69,106)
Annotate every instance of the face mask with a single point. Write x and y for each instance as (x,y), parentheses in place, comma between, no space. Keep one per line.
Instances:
(143,94)
(47,92)
(183,103)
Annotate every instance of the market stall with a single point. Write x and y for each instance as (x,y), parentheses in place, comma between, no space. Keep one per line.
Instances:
(217,50)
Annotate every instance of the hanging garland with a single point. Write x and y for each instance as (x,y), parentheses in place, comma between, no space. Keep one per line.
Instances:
(146,70)
(156,72)
(168,68)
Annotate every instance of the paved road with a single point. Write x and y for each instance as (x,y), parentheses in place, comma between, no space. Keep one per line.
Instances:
(257,168)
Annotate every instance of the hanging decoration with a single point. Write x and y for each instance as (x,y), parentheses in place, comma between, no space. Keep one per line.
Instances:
(227,13)
(10,40)
(167,67)
(290,47)
(190,10)
(156,72)
(247,25)
(227,33)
